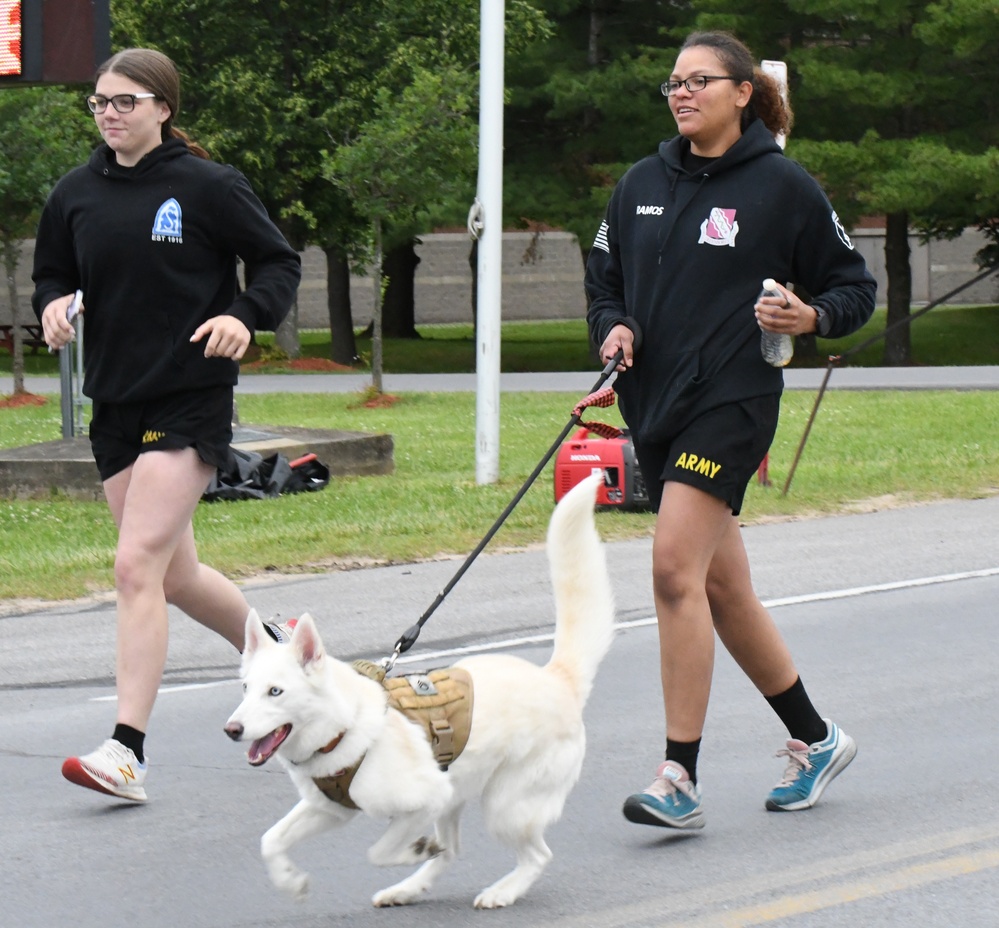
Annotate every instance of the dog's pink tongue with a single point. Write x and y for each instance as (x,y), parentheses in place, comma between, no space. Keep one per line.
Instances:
(261,749)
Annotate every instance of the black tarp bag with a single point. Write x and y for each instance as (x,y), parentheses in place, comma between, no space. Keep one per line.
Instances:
(252,476)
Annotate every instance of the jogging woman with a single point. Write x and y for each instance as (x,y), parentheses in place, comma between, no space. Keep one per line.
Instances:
(689,236)
(150,231)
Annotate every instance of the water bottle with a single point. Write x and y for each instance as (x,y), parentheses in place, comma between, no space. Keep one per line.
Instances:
(777,349)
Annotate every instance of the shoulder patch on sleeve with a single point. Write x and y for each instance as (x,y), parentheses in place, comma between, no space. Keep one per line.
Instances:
(841,232)
(601,240)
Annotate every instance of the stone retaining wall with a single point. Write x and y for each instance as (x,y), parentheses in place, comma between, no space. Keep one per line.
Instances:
(543,277)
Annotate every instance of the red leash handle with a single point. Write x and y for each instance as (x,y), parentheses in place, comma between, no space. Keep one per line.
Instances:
(603,399)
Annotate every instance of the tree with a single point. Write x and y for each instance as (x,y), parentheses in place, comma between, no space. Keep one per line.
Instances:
(276,86)
(585,105)
(266,86)
(969,30)
(43,133)
(417,139)
(399,303)
(889,119)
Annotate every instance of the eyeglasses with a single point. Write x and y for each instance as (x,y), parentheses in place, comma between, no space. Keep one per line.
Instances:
(122,102)
(695,83)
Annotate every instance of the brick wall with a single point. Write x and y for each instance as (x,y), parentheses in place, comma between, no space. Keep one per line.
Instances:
(542,279)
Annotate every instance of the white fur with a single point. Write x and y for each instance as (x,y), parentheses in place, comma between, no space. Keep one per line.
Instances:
(525,748)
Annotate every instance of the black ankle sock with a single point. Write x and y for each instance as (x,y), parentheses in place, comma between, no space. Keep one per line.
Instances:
(798,714)
(132,738)
(684,753)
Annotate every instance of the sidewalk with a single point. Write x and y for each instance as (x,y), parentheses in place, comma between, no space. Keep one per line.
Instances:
(849,378)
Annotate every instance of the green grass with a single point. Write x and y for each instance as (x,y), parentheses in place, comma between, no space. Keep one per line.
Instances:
(959,335)
(526,346)
(865,449)
(945,336)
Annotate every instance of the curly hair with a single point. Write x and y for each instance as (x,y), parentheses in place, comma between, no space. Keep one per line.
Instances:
(767,103)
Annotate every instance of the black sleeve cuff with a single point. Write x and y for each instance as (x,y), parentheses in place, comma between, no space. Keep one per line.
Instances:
(822,322)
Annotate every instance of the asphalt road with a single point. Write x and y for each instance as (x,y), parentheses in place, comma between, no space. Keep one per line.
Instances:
(891,616)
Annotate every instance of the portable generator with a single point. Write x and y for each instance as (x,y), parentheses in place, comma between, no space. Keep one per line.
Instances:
(578,457)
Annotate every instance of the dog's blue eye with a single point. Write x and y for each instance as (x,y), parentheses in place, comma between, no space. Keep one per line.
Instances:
(275,691)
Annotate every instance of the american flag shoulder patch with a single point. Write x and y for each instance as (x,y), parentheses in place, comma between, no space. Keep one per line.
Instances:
(601,240)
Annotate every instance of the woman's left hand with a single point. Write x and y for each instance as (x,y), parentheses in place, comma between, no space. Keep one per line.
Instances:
(785,314)
(228,337)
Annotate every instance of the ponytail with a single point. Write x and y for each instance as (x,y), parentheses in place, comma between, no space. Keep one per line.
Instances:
(193,147)
(768,105)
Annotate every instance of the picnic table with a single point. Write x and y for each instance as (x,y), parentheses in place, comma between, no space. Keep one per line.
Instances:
(31,335)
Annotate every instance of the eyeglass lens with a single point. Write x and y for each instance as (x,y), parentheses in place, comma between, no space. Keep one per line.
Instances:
(122,102)
(693,84)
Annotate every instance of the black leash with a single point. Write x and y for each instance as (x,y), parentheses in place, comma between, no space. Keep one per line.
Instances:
(409,637)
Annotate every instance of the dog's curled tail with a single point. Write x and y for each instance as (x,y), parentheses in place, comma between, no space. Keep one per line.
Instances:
(584,602)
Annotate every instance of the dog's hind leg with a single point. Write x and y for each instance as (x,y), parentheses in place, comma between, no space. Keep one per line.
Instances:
(303,821)
(533,856)
(411,888)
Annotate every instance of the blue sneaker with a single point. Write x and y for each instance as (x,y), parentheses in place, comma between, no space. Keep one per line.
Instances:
(811,768)
(672,801)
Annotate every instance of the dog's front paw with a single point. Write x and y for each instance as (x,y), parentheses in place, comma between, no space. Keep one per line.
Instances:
(495,897)
(394,895)
(288,878)
(295,884)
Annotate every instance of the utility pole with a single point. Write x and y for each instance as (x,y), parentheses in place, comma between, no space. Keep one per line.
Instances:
(488,218)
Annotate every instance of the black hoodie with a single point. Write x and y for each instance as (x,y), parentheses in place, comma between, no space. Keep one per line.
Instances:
(153,248)
(685,254)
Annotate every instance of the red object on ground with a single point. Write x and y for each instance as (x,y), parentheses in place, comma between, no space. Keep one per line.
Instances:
(623,486)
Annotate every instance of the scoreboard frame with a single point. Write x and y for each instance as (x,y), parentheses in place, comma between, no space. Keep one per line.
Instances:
(61,41)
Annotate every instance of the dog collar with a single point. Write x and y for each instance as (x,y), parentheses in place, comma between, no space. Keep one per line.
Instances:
(326,749)
(329,747)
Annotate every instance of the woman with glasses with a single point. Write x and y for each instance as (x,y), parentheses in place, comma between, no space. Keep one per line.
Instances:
(689,236)
(150,230)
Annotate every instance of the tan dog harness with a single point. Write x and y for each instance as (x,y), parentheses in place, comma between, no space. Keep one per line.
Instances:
(439,701)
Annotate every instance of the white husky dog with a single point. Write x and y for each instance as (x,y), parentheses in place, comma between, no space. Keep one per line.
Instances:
(525,746)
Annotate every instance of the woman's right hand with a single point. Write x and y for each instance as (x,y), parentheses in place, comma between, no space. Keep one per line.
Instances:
(56,328)
(622,339)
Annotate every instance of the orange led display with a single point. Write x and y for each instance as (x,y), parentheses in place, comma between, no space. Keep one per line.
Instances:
(10,38)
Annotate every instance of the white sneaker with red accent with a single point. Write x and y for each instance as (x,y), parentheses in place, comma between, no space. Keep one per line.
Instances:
(281,631)
(112,769)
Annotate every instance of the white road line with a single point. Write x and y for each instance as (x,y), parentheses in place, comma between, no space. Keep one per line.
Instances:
(509,643)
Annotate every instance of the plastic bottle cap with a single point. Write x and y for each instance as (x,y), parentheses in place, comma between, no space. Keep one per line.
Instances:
(770,284)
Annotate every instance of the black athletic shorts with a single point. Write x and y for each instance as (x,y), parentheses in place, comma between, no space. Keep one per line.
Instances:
(718,452)
(202,419)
